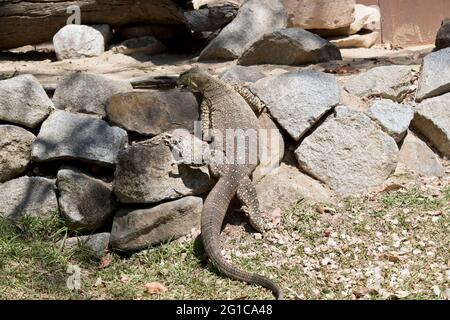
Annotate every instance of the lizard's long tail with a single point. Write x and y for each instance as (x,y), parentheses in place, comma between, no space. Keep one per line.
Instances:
(214,211)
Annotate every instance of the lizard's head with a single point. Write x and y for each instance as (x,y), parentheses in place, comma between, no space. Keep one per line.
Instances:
(195,78)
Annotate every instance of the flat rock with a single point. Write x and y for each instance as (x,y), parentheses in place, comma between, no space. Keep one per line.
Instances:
(87,93)
(443,36)
(242,74)
(15,151)
(138,229)
(69,136)
(157,178)
(33,196)
(154,112)
(85,203)
(271,148)
(435,76)
(348,152)
(78,41)
(363,40)
(285,185)
(389,82)
(416,156)
(96,244)
(297,100)
(23,101)
(292,46)
(393,117)
(255,18)
(146,44)
(320,14)
(432,120)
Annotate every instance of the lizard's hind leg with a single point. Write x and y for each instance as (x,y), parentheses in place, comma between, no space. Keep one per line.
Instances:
(247,195)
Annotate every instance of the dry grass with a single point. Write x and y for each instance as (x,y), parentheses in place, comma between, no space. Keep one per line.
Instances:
(378,246)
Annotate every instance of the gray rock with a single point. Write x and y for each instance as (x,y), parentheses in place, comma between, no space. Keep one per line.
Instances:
(77,41)
(69,136)
(23,101)
(87,93)
(348,152)
(154,112)
(285,185)
(255,18)
(146,44)
(271,148)
(435,77)
(241,74)
(33,196)
(289,47)
(389,82)
(157,178)
(95,244)
(394,118)
(443,35)
(210,18)
(15,151)
(297,100)
(85,203)
(432,120)
(416,156)
(141,228)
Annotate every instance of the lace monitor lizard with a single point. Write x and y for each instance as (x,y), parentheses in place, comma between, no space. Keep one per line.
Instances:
(225,106)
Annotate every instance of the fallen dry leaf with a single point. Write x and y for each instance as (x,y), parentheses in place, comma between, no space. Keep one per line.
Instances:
(345,69)
(106,261)
(390,257)
(390,187)
(155,287)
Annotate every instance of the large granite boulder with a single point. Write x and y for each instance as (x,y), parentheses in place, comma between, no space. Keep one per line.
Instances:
(147,172)
(154,112)
(87,93)
(416,156)
(255,18)
(135,229)
(78,41)
(86,203)
(15,151)
(432,120)
(289,47)
(286,185)
(23,101)
(389,82)
(435,76)
(348,152)
(69,136)
(393,117)
(31,196)
(297,100)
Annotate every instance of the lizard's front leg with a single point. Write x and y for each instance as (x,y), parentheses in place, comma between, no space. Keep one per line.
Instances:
(247,195)
(205,119)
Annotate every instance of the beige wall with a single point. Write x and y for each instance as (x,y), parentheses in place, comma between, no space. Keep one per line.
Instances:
(410,22)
